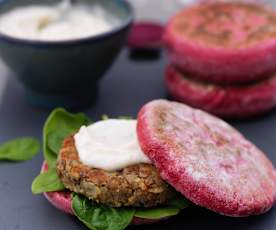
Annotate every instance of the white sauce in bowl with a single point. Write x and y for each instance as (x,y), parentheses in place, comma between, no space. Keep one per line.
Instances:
(62,21)
(110,145)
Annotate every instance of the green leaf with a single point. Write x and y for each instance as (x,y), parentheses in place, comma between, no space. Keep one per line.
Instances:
(59,125)
(99,217)
(156,213)
(47,182)
(105,117)
(172,208)
(125,117)
(55,139)
(179,202)
(20,149)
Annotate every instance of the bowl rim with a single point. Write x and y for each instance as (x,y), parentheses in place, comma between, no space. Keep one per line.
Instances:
(77,41)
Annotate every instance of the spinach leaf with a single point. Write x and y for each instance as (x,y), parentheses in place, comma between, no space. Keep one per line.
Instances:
(179,202)
(105,117)
(47,182)
(125,117)
(172,208)
(99,217)
(156,213)
(20,149)
(60,124)
(56,138)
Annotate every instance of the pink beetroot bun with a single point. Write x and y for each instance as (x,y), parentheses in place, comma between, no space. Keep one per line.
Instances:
(146,35)
(62,201)
(224,101)
(207,160)
(224,43)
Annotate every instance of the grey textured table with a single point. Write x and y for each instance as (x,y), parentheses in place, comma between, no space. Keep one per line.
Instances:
(126,87)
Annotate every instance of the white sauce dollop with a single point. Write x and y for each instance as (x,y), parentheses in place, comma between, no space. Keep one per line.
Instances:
(110,145)
(62,21)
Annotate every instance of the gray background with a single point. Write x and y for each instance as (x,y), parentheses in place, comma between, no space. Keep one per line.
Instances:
(126,87)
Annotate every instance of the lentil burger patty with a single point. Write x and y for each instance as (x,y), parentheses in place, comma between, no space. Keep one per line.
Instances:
(138,185)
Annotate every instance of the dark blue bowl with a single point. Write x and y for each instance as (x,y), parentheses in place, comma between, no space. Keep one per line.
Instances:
(64,73)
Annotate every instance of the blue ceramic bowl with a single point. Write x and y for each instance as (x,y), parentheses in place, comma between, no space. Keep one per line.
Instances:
(64,73)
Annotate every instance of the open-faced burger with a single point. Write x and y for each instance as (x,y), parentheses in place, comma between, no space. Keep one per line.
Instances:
(118,181)
(117,172)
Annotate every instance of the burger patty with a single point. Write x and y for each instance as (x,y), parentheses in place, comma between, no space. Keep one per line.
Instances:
(138,185)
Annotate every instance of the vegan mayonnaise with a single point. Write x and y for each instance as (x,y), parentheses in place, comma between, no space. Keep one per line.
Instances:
(63,21)
(110,145)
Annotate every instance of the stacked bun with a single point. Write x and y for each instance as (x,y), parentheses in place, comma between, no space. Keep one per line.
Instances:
(223,58)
